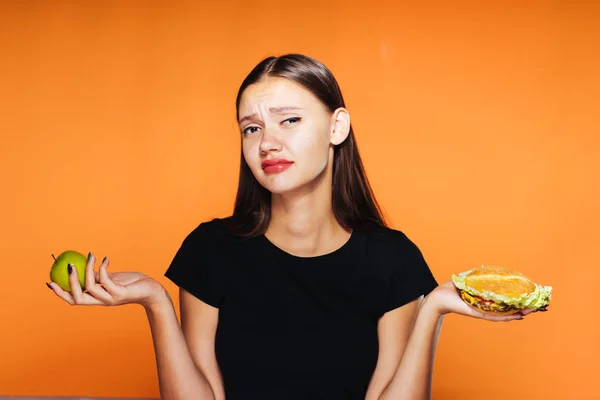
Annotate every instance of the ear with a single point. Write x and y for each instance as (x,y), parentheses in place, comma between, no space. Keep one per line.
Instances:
(340,121)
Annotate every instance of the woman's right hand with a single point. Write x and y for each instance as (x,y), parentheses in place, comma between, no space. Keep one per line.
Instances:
(110,289)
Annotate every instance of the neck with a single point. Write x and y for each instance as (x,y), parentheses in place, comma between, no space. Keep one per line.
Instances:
(304,223)
(301,217)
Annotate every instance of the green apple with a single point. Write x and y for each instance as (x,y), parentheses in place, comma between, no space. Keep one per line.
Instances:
(59,273)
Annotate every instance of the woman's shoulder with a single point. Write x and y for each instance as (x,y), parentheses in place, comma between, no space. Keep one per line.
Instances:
(215,227)
(388,236)
(208,239)
(387,243)
(396,258)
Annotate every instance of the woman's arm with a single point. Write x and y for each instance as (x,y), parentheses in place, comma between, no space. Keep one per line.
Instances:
(393,331)
(199,325)
(412,380)
(178,376)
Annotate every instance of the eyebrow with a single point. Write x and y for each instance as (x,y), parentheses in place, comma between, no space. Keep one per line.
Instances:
(275,110)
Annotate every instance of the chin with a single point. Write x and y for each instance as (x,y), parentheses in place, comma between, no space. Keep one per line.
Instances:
(279,187)
(281,184)
(289,181)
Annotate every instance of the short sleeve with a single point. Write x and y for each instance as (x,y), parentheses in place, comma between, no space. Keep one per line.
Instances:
(195,266)
(410,276)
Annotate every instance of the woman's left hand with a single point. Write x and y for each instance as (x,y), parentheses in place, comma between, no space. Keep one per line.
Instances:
(445,299)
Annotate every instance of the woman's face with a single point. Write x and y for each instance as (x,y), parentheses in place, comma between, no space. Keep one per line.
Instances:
(287,134)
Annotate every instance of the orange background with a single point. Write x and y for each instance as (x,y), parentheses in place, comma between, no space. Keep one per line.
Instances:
(478,125)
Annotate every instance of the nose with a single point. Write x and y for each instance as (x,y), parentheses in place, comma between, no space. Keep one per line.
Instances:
(270,142)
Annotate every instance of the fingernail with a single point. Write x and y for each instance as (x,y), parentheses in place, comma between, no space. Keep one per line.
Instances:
(104,259)
(69,269)
(49,287)
(89,256)
(520,318)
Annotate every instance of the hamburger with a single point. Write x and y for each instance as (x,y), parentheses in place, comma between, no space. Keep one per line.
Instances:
(500,291)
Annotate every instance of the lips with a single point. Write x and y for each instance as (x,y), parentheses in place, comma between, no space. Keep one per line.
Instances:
(276,165)
(274,161)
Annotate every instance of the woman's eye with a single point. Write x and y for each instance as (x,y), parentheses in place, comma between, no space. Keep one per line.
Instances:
(249,130)
(292,120)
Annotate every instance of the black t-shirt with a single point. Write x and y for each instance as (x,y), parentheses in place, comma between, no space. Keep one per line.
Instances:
(299,327)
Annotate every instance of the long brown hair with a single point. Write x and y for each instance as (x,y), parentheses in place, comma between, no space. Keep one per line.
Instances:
(354,204)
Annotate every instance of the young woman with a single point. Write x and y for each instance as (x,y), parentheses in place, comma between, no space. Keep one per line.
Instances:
(303,292)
